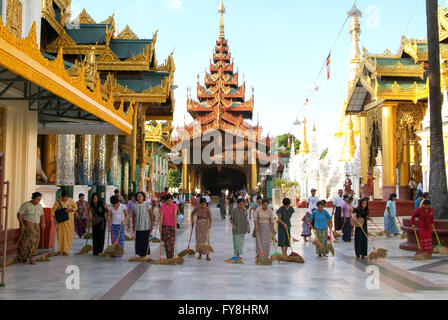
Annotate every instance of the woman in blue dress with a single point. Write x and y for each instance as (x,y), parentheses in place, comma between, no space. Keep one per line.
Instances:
(389,216)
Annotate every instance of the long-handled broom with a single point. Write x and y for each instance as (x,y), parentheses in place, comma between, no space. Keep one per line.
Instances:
(87,247)
(376,254)
(403,234)
(166,261)
(261,260)
(155,239)
(277,256)
(420,255)
(188,251)
(115,249)
(380,233)
(319,245)
(43,257)
(440,249)
(293,256)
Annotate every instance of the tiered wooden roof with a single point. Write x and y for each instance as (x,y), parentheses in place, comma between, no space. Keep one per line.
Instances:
(221,100)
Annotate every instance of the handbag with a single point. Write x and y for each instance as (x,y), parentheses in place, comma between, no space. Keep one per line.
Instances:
(61,215)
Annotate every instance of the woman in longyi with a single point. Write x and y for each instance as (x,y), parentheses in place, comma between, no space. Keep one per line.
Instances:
(66,229)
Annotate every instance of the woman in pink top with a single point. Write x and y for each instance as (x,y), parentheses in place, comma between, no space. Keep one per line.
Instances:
(168,218)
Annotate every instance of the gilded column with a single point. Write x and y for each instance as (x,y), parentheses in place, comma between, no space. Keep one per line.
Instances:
(100,160)
(185,169)
(253,166)
(87,159)
(114,161)
(364,147)
(389,154)
(65,167)
(125,186)
(404,168)
(133,155)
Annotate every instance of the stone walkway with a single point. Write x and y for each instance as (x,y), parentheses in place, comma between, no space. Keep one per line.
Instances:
(339,277)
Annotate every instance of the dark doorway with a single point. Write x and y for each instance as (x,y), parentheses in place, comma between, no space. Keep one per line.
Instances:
(215,180)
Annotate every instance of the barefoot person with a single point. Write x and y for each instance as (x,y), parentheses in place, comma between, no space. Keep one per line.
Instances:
(168,216)
(389,216)
(143,223)
(321,220)
(284,223)
(30,215)
(240,226)
(425,216)
(204,221)
(361,241)
(117,216)
(264,227)
(97,217)
(65,229)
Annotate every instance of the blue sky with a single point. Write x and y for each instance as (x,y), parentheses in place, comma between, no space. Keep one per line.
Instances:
(280,47)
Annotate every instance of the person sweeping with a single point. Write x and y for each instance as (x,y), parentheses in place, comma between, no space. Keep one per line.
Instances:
(97,218)
(204,221)
(361,240)
(425,215)
(264,221)
(117,215)
(143,223)
(240,226)
(167,225)
(284,214)
(319,219)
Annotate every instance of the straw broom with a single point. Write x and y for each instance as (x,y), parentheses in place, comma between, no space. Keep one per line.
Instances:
(166,261)
(188,251)
(378,234)
(277,256)
(419,256)
(261,260)
(234,259)
(87,247)
(43,257)
(402,235)
(115,249)
(293,256)
(317,242)
(440,249)
(376,254)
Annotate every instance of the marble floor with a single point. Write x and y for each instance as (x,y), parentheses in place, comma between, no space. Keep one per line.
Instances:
(338,277)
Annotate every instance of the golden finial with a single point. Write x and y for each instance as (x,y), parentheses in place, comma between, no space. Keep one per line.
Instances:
(221,10)
(304,147)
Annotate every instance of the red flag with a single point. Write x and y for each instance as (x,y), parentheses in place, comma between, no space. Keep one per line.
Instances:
(328,66)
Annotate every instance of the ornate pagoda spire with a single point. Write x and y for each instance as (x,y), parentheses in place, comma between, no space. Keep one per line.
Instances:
(221,10)
(221,102)
(305,148)
(355,53)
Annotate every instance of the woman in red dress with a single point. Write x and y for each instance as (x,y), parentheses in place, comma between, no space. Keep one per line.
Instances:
(425,215)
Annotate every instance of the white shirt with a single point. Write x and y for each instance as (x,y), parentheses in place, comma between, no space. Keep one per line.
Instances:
(312,203)
(207,198)
(337,202)
(181,198)
(355,203)
(117,215)
(176,201)
(420,187)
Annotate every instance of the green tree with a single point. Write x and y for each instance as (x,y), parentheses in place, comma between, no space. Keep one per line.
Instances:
(282,141)
(174,178)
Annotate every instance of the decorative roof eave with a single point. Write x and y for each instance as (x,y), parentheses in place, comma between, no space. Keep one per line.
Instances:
(127,33)
(396,92)
(23,57)
(410,46)
(47,13)
(84,18)
(109,61)
(63,4)
(158,94)
(400,70)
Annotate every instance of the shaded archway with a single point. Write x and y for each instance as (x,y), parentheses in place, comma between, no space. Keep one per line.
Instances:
(215,179)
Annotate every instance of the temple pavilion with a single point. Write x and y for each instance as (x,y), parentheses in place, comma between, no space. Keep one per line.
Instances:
(221,108)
